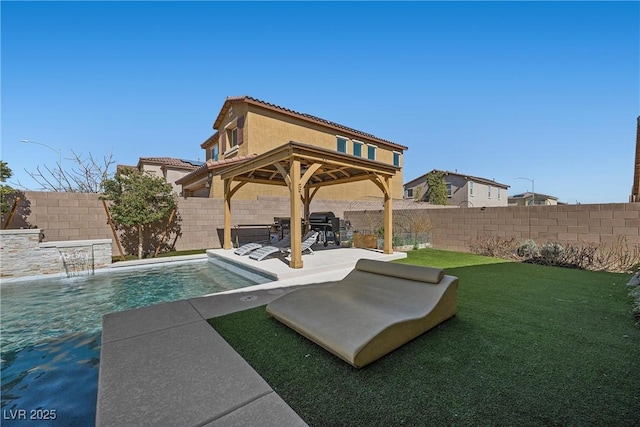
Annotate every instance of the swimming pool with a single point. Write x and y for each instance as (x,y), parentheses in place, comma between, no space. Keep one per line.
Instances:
(50,341)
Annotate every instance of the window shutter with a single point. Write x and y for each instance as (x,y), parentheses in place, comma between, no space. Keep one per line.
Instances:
(240,130)
(223,142)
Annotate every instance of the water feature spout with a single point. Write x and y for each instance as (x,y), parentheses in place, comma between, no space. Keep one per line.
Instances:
(77,261)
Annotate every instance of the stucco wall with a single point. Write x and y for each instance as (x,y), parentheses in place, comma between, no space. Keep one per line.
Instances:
(71,216)
(265,130)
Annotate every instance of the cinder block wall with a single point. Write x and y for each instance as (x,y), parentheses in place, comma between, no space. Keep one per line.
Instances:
(72,216)
(596,223)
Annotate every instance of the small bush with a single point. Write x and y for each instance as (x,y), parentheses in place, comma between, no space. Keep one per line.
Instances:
(551,250)
(528,249)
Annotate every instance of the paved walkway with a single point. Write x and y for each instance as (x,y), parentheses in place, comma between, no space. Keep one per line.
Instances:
(165,365)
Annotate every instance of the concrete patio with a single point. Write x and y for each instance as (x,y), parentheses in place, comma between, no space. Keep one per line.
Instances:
(165,365)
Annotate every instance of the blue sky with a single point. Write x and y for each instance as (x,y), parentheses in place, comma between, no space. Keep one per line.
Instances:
(543,90)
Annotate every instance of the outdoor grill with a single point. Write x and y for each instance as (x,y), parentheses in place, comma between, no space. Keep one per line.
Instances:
(328,226)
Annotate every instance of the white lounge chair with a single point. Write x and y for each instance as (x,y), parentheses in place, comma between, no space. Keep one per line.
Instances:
(309,240)
(265,251)
(246,248)
(250,247)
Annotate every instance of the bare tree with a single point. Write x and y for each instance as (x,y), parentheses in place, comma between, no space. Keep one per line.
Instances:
(86,176)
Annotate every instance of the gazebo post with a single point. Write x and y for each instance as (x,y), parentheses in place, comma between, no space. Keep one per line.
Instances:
(227,214)
(383,182)
(307,207)
(296,231)
(228,194)
(388,221)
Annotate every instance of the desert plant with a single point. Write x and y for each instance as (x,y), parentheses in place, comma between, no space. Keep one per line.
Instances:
(528,249)
(551,250)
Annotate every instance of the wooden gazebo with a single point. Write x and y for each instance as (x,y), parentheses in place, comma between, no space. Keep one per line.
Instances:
(304,169)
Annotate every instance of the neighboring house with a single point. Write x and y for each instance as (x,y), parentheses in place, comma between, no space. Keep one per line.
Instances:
(169,168)
(247,127)
(462,190)
(528,199)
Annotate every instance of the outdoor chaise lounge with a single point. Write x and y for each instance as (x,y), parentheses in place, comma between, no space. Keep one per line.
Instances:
(265,251)
(250,247)
(246,248)
(375,309)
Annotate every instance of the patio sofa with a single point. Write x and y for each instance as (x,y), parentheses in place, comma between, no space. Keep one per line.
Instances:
(376,308)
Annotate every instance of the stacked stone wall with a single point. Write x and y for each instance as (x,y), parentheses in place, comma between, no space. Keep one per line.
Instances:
(23,253)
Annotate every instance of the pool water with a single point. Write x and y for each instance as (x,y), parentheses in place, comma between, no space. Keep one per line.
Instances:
(50,340)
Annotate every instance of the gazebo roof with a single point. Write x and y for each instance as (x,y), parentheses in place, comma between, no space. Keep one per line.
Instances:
(304,169)
(330,167)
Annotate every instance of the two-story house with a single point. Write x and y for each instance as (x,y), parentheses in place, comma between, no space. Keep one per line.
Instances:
(530,199)
(462,190)
(247,127)
(169,168)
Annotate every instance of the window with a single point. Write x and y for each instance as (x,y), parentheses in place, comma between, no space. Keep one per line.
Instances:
(233,137)
(489,192)
(342,145)
(396,159)
(357,148)
(410,193)
(448,189)
(371,152)
(215,152)
(471,188)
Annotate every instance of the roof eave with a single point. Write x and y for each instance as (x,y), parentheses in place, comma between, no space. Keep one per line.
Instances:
(272,107)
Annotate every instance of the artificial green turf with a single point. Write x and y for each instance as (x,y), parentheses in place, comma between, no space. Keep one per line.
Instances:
(530,345)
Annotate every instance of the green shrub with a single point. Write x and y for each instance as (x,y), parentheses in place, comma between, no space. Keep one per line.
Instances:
(528,249)
(551,251)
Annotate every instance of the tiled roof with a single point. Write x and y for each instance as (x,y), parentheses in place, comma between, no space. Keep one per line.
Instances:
(467,177)
(171,161)
(210,165)
(304,116)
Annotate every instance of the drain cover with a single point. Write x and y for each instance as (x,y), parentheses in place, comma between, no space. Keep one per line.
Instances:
(248,298)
